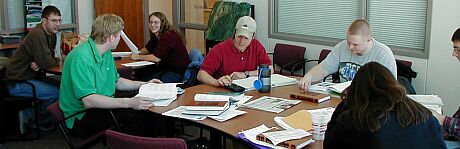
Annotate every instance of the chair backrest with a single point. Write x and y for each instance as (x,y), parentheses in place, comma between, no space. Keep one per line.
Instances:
(323,54)
(117,140)
(73,142)
(405,75)
(285,54)
(56,111)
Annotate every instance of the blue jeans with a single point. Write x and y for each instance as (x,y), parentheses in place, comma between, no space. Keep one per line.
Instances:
(46,93)
(171,77)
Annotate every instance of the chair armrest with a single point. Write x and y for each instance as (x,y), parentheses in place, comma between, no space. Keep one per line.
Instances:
(80,112)
(34,94)
(295,64)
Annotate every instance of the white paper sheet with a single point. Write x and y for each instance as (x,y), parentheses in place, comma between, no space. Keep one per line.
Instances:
(177,112)
(229,114)
(130,44)
(138,64)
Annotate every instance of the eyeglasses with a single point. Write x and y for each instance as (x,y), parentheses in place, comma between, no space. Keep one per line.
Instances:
(55,20)
(155,22)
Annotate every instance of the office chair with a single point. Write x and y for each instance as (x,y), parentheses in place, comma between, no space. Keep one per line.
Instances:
(14,104)
(289,58)
(405,75)
(118,140)
(73,141)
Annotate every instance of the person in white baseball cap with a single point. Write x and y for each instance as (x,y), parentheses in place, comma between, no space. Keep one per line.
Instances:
(235,58)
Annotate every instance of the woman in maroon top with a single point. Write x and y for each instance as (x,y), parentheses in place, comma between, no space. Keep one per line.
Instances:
(166,48)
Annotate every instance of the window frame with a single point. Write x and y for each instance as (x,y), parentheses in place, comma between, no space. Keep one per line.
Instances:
(410,52)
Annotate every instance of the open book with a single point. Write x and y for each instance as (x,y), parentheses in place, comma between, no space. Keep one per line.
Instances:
(291,138)
(158,91)
(328,87)
(276,80)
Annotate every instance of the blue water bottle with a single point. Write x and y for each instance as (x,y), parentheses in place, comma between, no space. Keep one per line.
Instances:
(263,83)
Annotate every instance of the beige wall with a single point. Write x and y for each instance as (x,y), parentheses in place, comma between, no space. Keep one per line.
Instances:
(164,6)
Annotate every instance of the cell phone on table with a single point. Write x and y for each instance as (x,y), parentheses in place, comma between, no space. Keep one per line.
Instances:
(234,87)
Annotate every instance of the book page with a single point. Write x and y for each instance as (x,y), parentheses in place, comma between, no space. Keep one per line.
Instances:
(280,136)
(340,87)
(247,83)
(280,80)
(158,91)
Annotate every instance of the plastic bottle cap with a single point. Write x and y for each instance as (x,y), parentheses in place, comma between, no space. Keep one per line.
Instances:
(257,84)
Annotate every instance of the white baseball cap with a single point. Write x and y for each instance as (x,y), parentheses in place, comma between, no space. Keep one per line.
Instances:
(245,26)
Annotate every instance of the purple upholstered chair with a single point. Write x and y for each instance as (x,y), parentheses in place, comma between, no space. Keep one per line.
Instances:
(117,140)
(289,58)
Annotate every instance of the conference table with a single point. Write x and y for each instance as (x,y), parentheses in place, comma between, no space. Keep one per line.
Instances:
(252,118)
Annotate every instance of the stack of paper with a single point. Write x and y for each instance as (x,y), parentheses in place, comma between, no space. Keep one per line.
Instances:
(429,101)
(206,104)
(221,115)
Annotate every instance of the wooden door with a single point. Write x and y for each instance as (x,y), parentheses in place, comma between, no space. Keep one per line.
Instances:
(132,12)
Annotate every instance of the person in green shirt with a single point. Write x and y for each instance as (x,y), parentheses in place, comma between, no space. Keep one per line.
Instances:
(89,80)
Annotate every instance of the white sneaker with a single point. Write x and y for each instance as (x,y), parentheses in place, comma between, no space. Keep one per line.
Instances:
(23,122)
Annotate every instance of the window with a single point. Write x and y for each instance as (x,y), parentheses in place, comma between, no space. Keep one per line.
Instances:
(400,24)
(13,17)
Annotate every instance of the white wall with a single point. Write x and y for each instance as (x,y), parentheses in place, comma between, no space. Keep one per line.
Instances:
(439,74)
(443,76)
(85,15)
(161,6)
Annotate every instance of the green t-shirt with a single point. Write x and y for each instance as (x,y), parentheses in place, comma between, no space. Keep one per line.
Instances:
(85,72)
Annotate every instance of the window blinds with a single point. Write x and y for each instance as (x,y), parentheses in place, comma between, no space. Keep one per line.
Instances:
(317,18)
(400,23)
